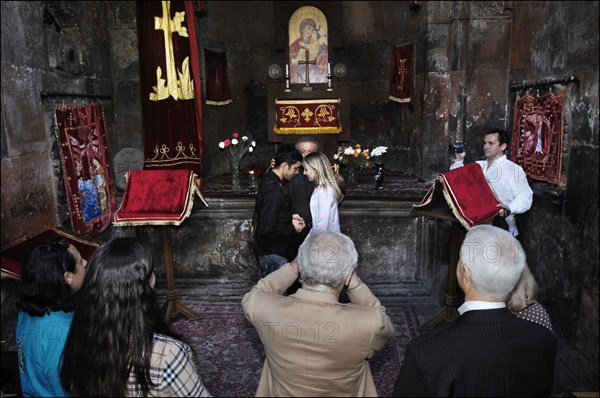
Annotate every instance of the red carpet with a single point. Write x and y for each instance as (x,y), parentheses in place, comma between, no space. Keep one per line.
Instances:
(229,354)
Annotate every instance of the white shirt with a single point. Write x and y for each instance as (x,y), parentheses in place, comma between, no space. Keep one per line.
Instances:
(509,182)
(475,305)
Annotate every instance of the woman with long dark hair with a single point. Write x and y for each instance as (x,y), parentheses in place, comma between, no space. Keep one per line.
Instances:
(51,274)
(119,343)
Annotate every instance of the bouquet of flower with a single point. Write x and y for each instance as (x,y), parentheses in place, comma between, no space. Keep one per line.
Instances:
(352,157)
(236,148)
(377,153)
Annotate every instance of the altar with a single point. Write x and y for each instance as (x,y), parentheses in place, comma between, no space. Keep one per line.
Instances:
(401,256)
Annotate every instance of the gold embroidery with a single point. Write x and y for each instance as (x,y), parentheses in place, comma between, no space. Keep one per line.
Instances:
(307,114)
(178,84)
(161,155)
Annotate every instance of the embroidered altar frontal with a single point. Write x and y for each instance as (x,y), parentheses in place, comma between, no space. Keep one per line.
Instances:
(319,116)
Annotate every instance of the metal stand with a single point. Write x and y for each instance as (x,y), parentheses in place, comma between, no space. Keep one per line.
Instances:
(173,307)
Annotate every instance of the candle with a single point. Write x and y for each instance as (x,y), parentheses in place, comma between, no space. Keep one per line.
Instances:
(287,70)
(328,68)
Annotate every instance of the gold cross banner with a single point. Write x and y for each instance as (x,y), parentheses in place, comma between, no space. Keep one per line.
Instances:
(402,73)
(170,85)
(318,116)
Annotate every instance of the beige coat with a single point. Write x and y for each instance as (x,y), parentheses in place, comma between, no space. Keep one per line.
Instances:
(314,345)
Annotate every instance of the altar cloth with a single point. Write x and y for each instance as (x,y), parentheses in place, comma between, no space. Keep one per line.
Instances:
(467,193)
(315,116)
(157,197)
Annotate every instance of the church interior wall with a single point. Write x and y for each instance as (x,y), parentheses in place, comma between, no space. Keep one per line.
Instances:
(467,55)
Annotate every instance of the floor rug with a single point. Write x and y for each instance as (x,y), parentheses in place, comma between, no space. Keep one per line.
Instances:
(229,353)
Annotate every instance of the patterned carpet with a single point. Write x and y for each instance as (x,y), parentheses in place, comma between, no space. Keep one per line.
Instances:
(230,356)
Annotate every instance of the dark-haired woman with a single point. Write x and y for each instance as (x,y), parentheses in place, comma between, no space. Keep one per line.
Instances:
(51,274)
(119,344)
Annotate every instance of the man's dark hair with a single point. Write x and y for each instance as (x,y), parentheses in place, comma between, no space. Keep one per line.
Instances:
(287,153)
(503,137)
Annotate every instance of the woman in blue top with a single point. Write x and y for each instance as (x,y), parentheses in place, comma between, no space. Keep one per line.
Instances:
(51,274)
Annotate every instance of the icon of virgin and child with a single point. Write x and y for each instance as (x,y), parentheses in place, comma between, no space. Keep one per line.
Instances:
(308,32)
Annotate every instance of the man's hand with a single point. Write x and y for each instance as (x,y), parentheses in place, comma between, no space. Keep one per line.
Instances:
(504,210)
(298,223)
(295,265)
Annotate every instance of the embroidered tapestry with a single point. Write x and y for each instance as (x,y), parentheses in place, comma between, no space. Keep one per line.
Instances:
(402,73)
(466,192)
(170,85)
(218,91)
(86,168)
(308,116)
(537,136)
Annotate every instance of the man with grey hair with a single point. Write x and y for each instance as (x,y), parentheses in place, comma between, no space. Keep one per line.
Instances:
(487,351)
(314,345)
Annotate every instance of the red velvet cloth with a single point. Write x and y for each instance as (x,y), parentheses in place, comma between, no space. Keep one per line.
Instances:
(402,73)
(538,135)
(13,258)
(170,85)
(466,192)
(156,197)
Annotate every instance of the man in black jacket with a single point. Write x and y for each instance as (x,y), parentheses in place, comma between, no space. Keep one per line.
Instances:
(277,224)
(487,351)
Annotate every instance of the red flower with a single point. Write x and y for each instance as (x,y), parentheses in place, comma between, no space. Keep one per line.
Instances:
(235,135)
(227,143)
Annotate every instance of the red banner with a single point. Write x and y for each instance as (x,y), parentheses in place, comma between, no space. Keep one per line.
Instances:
(170,85)
(319,116)
(86,166)
(402,73)
(218,91)
(538,135)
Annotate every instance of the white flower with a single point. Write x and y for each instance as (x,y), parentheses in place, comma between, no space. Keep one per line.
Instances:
(380,150)
(244,138)
(335,157)
(234,141)
(349,151)
(222,145)
(251,172)
(253,143)
(250,149)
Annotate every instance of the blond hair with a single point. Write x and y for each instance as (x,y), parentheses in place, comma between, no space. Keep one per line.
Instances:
(325,177)
(523,295)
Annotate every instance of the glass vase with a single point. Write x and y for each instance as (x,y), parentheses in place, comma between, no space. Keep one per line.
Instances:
(352,176)
(235,175)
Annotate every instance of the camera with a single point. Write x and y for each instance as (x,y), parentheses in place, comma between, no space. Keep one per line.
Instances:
(457,147)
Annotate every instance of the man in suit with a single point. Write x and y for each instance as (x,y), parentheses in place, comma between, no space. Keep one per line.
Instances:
(314,345)
(487,351)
